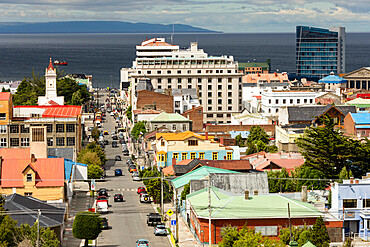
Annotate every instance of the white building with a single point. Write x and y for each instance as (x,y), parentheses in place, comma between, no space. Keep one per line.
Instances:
(247,118)
(272,100)
(10,85)
(51,96)
(216,78)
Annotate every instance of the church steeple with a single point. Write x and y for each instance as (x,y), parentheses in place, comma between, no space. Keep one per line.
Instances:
(51,65)
(51,96)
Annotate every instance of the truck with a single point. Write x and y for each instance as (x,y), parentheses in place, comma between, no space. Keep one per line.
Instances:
(102,206)
(153,219)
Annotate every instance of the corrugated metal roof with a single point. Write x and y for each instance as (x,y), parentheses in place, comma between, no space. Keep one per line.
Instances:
(361,118)
(58,111)
(181,136)
(19,153)
(5,95)
(332,79)
(225,205)
(169,117)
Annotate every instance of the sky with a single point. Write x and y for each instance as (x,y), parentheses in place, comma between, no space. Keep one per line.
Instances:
(231,16)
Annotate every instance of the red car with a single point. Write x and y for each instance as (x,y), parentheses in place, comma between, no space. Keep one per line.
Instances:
(101,199)
(140,189)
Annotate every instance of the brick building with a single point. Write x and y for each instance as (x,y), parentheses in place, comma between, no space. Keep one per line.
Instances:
(196,115)
(357,124)
(155,101)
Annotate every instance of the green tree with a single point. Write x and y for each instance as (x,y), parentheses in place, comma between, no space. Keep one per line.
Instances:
(138,129)
(343,174)
(95,133)
(129,112)
(76,98)
(185,191)
(256,133)
(239,141)
(96,148)
(7,230)
(348,242)
(89,158)
(299,234)
(153,187)
(319,233)
(87,225)
(277,183)
(68,88)
(325,149)
(94,172)
(47,237)
(306,172)
(5,90)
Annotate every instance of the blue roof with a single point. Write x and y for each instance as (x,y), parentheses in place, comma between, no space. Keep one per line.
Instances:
(332,79)
(362,126)
(68,164)
(361,118)
(244,134)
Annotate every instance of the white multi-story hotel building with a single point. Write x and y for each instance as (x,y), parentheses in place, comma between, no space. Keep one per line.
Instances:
(272,100)
(217,79)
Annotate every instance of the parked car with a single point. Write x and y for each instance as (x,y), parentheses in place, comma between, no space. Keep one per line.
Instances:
(126,152)
(117,172)
(105,132)
(104,223)
(118,198)
(160,230)
(114,144)
(117,158)
(145,198)
(140,189)
(142,243)
(115,137)
(133,169)
(102,206)
(106,142)
(153,219)
(103,192)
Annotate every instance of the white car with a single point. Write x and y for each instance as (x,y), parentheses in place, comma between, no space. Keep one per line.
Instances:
(112,113)
(102,207)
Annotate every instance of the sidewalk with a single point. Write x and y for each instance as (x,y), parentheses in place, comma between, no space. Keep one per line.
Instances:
(186,238)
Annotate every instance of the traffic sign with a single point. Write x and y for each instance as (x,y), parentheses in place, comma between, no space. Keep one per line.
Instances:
(173,222)
(169,212)
(93,184)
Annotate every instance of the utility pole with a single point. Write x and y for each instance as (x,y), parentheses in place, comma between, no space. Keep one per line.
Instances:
(177,217)
(162,193)
(210,212)
(290,226)
(38,227)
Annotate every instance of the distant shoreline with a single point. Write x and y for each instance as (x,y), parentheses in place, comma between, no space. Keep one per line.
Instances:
(165,33)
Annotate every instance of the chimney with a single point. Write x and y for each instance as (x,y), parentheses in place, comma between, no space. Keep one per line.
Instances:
(206,135)
(173,161)
(351,180)
(304,193)
(33,158)
(275,74)
(357,181)
(246,195)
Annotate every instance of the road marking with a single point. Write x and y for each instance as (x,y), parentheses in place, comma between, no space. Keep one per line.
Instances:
(141,216)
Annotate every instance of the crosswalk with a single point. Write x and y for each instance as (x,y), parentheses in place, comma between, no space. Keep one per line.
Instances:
(122,189)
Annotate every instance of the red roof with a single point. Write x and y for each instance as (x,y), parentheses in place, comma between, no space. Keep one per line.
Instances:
(58,110)
(257,96)
(10,153)
(49,172)
(5,95)
(288,164)
(168,170)
(228,164)
(50,65)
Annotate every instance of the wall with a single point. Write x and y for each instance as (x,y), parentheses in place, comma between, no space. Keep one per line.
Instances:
(162,101)
(41,193)
(349,125)
(179,126)
(269,128)
(235,183)
(195,115)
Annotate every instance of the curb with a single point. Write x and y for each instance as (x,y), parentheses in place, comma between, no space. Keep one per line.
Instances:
(168,235)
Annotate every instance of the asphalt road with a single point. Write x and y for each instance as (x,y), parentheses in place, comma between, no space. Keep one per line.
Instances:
(127,219)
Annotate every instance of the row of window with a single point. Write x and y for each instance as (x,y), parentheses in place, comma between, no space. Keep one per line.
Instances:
(183,62)
(210,115)
(179,72)
(25,142)
(174,127)
(60,128)
(291,101)
(190,80)
(193,155)
(352,203)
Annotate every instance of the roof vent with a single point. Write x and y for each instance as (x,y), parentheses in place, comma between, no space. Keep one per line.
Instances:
(246,195)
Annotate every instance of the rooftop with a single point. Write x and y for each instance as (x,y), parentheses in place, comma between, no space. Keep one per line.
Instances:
(361,117)
(225,205)
(169,117)
(54,110)
(5,95)
(180,136)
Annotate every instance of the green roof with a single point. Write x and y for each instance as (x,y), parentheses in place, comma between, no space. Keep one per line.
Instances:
(169,117)
(308,244)
(225,205)
(359,102)
(199,173)
(263,65)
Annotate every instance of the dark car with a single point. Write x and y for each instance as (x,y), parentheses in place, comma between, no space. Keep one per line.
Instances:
(114,144)
(117,172)
(104,223)
(106,142)
(122,141)
(132,166)
(103,176)
(103,192)
(118,198)
(115,137)
(125,152)
(117,158)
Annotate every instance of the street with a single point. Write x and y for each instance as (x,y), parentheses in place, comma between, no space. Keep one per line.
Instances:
(127,219)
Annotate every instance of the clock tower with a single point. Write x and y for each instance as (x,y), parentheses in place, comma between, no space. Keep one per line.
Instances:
(51,96)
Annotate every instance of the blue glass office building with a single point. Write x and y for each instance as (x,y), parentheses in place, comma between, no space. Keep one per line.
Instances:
(319,51)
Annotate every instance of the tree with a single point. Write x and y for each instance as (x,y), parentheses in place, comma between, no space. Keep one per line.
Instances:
(129,112)
(185,191)
(153,187)
(95,148)
(325,149)
(94,172)
(7,229)
(68,88)
(138,129)
(76,98)
(319,233)
(299,234)
(89,158)
(258,141)
(95,133)
(28,233)
(239,141)
(343,174)
(306,172)
(280,185)
(87,225)
(232,237)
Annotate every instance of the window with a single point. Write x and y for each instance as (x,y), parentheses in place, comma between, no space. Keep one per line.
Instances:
(37,134)
(70,128)
(209,108)
(215,156)
(14,142)
(70,141)
(179,86)
(209,115)
(174,127)
(184,127)
(199,71)
(2,116)
(220,115)
(229,94)
(305,101)
(219,101)
(267,230)
(311,101)
(14,128)
(219,94)
(49,128)
(189,80)
(229,108)
(25,129)
(60,128)
(276,101)
(298,101)
(201,156)
(184,156)
(229,87)
(199,80)
(229,156)
(291,101)
(25,142)
(366,203)
(179,72)
(209,94)
(179,80)
(229,101)
(163,143)
(209,87)
(60,141)
(209,80)
(177,104)
(193,156)
(168,71)
(176,156)
(29,177)
(2,142)
(193,143)
(2,128)
(27,193)
(50,141)
(277,110)
(284,101)
(349,203)
(219,108)
(219,80)
(169,80)
(159,72)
